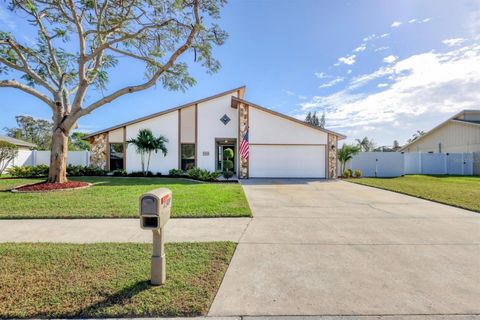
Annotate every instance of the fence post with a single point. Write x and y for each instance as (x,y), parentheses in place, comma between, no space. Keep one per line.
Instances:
(34,158)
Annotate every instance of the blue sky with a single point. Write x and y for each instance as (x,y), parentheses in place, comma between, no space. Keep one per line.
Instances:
(381,69)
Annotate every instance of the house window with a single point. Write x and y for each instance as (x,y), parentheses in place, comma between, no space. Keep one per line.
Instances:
(188,156)
(116,156)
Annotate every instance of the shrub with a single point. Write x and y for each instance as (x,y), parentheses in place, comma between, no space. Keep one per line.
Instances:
(119,173)
(227,174)
(347,173)
(140,174)
(357,173)
(8,152)
(175,172)
(227,163)
(73,170)
(201,174)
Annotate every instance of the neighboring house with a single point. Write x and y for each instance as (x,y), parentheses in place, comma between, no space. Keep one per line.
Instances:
(22,145)
(460,133)
(198,132)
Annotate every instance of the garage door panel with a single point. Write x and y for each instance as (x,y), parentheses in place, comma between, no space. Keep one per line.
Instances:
(292,161)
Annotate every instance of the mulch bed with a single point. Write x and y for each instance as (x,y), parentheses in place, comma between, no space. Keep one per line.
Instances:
(48,186)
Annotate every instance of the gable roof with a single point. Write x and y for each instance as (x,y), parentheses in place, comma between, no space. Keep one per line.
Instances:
(235,101)
(157,114)
(17,142)
(455,118)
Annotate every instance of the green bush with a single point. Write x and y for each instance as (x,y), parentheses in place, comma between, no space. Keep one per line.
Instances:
(227,174)
(357,173)
(347,173)
(119,173)
(175,172)
(73,170)
(201,174)
(140,174)
(28,171)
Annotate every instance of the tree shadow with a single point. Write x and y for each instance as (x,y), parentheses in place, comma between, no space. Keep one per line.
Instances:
(118,298)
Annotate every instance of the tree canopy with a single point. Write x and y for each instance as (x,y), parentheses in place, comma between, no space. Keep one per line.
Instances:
(78,43)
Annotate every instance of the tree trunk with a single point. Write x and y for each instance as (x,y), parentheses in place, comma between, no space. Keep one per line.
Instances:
(58,157)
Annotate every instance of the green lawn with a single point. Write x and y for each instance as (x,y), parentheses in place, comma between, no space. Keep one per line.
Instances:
(118,198)
(463,192)
(108,280)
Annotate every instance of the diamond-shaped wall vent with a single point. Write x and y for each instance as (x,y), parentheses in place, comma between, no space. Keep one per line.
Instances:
(225,119)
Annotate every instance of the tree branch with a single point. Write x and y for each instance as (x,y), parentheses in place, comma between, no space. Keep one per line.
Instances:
(27,89)
(131,89)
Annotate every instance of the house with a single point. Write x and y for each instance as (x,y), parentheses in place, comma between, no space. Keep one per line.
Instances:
(460,133)
(22,145)
(198,132)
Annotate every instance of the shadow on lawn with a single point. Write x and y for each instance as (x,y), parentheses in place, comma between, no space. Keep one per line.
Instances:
(98,309)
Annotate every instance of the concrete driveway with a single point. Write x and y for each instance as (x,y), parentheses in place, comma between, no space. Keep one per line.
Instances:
(336,248)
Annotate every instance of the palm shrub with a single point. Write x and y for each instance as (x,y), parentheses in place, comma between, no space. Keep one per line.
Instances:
(145,143)
(8,152)
(346,153)
(357,173)
(227,163)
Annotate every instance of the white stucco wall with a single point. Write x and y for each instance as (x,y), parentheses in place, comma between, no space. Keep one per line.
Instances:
(267,128)
(210,127)
(166,125)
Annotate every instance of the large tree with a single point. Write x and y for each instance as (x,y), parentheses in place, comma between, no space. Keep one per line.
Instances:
(37,131)
(79,42)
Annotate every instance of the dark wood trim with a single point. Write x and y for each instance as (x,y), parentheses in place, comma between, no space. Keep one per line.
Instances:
(161,113)
(196,135)
(108,151)
(179,138)
(278,114)
(124,148)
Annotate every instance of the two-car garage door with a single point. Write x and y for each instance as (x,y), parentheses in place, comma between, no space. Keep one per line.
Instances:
(287,161)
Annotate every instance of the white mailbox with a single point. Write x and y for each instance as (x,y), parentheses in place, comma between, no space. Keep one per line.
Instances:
(155,208)
(154,214)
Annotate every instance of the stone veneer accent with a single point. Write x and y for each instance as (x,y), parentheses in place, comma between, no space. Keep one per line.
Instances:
(332,156)
(243,123)
(98,151)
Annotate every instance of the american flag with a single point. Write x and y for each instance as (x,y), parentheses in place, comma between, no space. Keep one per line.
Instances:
(244,146)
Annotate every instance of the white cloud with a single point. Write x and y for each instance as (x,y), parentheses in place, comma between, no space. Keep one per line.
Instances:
(347,60)
(332,83)
(390,59)
(454,42)
(382,48)
(360,48)
(384,35)
(382,85)
(321,75)
(370,37)
(412,20)
(289,93)
(426,20)
(349,71)
(425,86)
(396,24)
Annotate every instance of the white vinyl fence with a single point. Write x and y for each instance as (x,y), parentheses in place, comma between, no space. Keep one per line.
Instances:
(34,158)
(395,164)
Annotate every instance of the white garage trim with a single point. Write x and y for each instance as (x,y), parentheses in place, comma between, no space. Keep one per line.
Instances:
(287,161)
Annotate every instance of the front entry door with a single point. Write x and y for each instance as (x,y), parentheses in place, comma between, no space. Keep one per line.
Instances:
(220,151)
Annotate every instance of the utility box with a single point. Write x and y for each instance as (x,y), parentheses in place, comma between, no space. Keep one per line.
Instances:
(155,207)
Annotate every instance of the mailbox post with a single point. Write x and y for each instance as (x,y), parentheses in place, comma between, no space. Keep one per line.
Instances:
(154,214)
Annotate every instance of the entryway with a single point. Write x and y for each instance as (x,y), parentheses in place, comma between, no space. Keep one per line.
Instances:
(220,145)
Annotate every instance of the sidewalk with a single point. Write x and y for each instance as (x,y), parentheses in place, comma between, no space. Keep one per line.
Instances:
(119,230)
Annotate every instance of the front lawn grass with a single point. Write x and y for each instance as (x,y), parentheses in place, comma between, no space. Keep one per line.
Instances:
(108,280)
(463,192)
(111,197)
